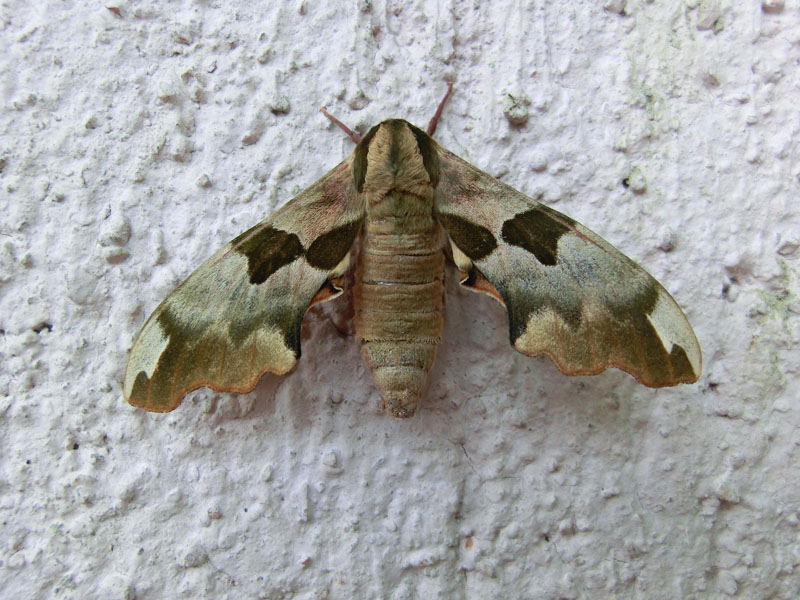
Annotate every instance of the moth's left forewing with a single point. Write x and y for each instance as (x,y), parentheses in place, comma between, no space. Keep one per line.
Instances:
(238,315)
(569,293)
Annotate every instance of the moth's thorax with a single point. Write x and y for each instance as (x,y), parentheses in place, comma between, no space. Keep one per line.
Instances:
(401,211)
(396,156)
(401,224)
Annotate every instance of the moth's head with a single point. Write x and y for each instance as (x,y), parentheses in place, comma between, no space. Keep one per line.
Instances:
(396,155)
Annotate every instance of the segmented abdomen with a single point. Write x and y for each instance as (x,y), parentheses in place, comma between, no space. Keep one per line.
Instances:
(398,303)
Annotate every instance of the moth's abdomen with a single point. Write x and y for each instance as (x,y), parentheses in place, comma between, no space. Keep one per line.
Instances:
(398,305)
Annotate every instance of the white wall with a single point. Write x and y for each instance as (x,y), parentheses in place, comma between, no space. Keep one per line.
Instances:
(515,480)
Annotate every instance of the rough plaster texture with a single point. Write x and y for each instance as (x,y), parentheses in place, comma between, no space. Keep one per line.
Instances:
(134,144)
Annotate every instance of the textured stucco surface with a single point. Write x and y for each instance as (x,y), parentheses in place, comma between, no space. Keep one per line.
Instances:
(133,145)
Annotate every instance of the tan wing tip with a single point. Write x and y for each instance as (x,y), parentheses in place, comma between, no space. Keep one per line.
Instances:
(659,347)
(142,395)
(679,370)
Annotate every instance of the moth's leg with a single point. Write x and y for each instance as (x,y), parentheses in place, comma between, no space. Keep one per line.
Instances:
(341,312)
(353,135)
(435,119)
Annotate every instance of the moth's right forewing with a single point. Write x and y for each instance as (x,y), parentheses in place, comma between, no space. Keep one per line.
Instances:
(569,294)
(238,315)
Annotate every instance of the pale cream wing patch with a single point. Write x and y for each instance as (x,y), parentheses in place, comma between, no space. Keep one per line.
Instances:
(569,293)
(238,315)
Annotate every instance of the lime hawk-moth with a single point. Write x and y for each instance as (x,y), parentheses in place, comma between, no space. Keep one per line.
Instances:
(568,293)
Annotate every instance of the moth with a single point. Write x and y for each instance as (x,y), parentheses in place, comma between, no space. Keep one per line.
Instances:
(413,204)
